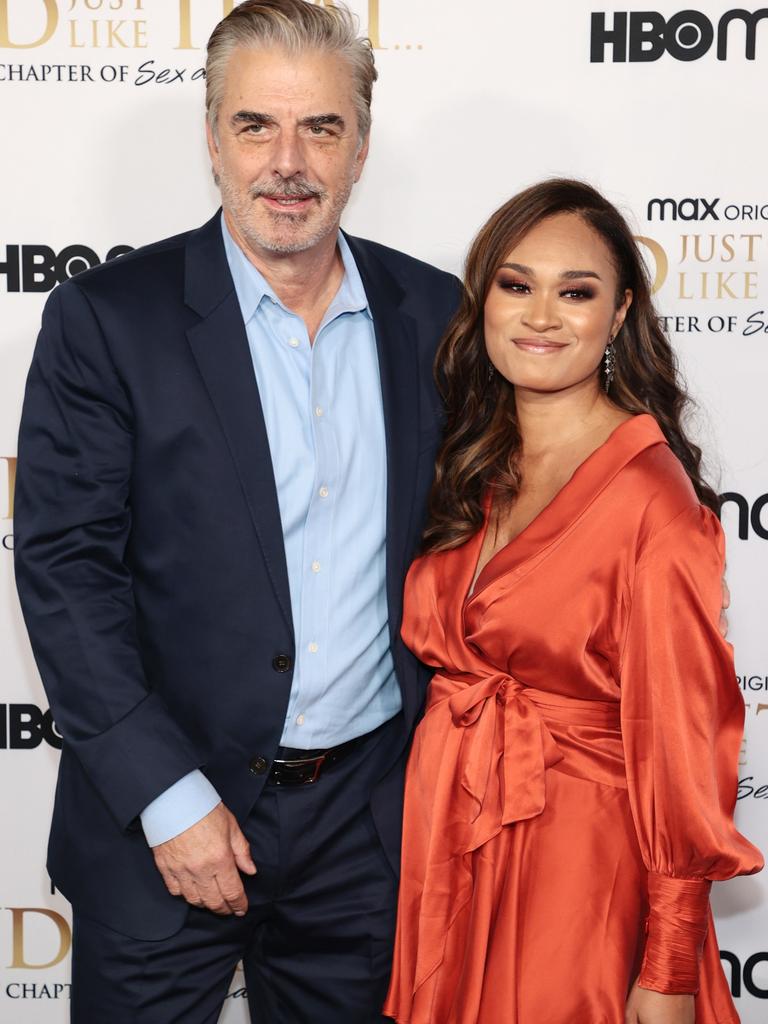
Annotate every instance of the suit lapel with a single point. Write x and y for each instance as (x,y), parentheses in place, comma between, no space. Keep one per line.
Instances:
(220,347)
(396,345)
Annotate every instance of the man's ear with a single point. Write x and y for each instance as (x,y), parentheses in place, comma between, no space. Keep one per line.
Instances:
(362,156)
(213,149)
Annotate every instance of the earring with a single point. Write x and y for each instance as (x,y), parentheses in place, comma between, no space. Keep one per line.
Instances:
(609,364)
(491,372)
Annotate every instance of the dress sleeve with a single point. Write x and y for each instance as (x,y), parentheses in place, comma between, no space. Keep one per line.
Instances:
(682,721)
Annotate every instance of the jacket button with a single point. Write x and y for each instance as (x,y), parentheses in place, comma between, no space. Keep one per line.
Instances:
(258,765)
(281,663)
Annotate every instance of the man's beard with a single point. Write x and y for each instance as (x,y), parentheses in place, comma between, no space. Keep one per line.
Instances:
(288,236)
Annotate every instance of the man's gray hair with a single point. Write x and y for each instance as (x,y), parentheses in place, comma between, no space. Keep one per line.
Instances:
(295,26)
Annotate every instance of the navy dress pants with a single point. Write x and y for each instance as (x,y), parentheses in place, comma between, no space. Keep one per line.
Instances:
(315,944)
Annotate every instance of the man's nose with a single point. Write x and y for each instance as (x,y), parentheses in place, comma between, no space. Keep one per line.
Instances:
(288,155)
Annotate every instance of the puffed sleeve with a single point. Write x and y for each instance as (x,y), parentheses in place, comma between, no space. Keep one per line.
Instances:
(682,721)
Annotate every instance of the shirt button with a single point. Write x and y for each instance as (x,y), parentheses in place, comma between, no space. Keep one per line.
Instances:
(313,648)
(323,492)
(294,342)
(315,567)
(281,663)
(258,765)
(318,410)
(300,720)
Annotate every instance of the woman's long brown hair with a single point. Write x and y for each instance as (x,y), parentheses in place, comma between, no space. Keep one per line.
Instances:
(482,438)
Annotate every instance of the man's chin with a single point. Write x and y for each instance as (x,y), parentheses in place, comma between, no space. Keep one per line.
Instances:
(286,240)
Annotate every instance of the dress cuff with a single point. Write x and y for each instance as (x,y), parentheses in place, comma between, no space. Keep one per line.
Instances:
(677,927)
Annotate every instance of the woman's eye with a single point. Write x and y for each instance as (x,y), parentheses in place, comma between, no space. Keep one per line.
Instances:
(519,287)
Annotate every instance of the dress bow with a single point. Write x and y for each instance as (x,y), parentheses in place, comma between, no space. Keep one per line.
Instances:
(505,752)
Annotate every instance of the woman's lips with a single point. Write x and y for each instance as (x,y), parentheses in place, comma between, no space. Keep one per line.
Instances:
(538,346)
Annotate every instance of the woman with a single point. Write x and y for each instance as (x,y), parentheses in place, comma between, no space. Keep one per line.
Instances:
(570,792)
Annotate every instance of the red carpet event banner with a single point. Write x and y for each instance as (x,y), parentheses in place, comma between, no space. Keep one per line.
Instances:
(662,107)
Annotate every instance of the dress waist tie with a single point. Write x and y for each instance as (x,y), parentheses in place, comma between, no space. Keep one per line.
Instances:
(495,779)
(505,752)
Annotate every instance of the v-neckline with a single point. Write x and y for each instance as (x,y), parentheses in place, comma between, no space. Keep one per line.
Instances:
(622,444)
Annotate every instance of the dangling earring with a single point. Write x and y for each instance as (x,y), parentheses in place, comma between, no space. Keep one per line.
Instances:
(491,372)
(609,364)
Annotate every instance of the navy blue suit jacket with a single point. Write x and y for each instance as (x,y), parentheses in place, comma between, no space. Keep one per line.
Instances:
(149,551)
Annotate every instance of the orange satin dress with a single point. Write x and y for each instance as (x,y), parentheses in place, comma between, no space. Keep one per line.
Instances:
(570,792)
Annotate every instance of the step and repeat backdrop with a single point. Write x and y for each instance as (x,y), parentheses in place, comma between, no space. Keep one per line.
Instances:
(102,150)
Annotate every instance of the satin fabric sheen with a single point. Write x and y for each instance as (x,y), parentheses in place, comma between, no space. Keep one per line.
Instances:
(570,792)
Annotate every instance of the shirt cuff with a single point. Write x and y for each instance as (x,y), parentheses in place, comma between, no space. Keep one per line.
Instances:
(180,807)
(677,927)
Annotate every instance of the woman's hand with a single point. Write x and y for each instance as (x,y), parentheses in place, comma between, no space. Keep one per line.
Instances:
(646,1007)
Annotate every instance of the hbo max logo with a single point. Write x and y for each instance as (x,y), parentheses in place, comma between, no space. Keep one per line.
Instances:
(638,36)
(39,268)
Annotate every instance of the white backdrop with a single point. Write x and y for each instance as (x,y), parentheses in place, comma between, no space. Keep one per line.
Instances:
(102,146)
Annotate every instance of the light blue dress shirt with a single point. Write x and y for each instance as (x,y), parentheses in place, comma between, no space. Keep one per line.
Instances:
(323,411)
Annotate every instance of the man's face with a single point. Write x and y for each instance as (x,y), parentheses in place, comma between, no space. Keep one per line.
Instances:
(287,151)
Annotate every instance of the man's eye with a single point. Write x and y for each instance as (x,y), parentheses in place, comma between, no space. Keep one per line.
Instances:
(318,129)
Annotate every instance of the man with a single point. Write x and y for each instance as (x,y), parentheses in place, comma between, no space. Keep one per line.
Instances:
(226,448)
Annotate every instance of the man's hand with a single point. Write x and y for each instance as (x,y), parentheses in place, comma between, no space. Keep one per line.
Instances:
(202,863)
(723,624)
(646,1007)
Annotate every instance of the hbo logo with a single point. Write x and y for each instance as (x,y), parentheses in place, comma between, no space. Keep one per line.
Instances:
(38,268)
(25,726)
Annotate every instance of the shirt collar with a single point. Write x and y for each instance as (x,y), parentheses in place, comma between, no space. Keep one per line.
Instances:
(252,287)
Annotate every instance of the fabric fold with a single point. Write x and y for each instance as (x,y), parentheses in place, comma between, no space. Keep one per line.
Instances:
(677,928)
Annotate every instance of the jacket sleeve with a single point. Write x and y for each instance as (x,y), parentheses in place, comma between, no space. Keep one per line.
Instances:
(72,524)
(682,719)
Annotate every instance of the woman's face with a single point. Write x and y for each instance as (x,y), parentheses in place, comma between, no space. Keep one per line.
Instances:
(551,307)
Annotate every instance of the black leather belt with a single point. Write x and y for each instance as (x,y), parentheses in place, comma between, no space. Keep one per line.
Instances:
(292,767)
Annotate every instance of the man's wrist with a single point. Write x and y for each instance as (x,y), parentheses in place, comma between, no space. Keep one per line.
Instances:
(180,807)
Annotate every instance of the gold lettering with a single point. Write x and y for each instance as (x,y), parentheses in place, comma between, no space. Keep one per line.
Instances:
(51,24)
(185,23)
(728,248)
(723,286)
(65,937)
(743,751)
(113,34)
(697,249)
(373,25)
(751,239)
(681,291)
(73,39)
(761,707)
(718,285)
(660,259)
(11,477)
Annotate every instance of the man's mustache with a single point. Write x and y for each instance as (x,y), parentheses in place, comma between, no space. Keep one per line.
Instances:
(293,188)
